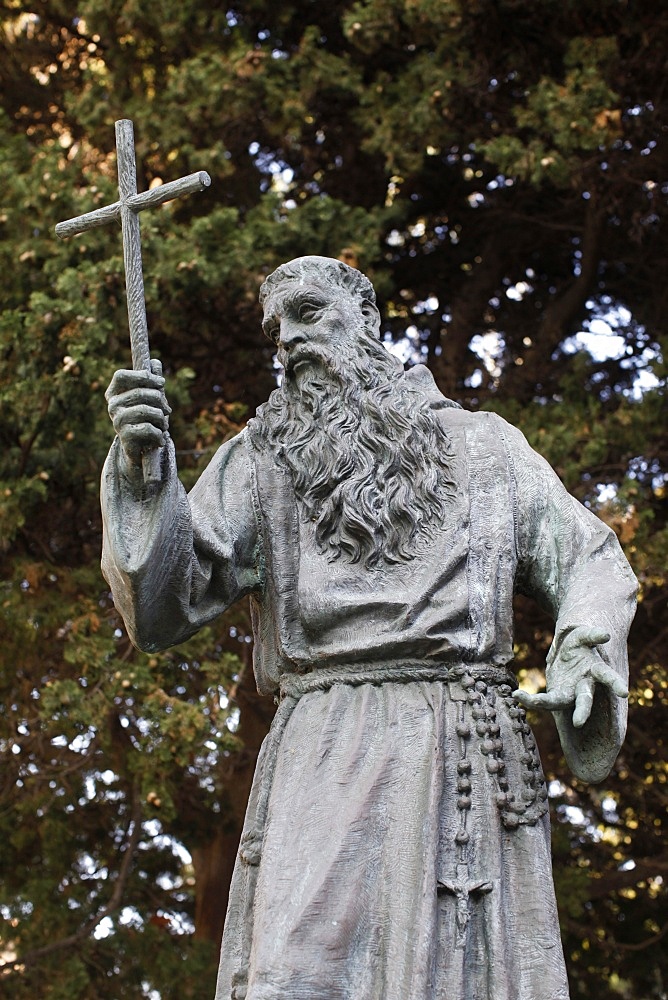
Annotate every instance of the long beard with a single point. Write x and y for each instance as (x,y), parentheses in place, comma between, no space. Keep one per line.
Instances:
(369,458)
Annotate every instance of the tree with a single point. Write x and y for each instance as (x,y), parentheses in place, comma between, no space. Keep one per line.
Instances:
(498,169)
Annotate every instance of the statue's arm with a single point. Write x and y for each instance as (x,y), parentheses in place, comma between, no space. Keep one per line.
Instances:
(173,562)
(572,563)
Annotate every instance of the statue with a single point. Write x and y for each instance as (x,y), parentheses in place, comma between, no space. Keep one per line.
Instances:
(397,841)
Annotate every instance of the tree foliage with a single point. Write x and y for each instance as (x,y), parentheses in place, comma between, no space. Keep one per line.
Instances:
(499,169)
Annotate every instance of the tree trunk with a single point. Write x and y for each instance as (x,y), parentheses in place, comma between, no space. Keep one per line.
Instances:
(451,367)
(562,313)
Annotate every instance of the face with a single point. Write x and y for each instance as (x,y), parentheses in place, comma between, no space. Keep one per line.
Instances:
(307,322)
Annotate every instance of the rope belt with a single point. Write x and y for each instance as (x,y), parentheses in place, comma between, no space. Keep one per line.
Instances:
(392,672)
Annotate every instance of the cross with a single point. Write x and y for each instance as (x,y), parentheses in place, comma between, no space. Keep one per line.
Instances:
(462,890)
(128,207)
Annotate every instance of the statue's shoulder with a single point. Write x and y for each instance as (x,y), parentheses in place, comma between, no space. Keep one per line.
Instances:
(491,433)
(419,377)
(480,421)
(233,446)
(487,422)
(229,462)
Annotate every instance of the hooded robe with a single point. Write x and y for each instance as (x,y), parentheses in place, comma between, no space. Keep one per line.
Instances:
(396,844)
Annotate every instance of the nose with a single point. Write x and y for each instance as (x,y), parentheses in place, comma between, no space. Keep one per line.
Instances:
(291,334)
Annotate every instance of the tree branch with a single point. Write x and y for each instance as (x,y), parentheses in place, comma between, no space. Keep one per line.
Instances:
(133,833)
(562,312)
(613,881)
(647,943)
(27,445)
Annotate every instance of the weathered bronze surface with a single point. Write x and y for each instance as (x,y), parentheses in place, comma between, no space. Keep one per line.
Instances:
(396,844)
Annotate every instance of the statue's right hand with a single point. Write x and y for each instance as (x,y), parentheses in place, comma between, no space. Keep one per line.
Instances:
(139,410)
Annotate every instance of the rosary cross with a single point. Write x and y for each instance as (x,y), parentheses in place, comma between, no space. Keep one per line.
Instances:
(128,207)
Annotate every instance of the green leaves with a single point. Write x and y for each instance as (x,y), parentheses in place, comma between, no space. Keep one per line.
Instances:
(497,170)
(560,122)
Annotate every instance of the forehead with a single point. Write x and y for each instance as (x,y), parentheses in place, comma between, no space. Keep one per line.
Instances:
(291,294)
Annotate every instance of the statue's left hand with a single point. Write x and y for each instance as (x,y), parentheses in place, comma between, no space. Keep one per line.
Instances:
(578,666)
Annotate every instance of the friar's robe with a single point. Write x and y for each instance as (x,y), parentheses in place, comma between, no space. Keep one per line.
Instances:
(396,844)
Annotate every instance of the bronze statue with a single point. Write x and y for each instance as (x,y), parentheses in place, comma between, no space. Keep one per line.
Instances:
(397,843)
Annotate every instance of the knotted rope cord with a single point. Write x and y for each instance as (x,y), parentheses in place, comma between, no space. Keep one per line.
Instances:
(403,672)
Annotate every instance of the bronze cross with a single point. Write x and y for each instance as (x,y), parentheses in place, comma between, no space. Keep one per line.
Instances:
(462,890)
(127,209)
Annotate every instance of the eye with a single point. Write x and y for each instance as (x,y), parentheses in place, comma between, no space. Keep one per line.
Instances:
(309,311)
(272,330)
(308,307)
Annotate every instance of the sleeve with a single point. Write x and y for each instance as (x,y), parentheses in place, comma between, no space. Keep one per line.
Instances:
(573,565)
(175,561)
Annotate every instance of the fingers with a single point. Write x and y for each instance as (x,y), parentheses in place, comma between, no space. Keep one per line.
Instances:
(586,636)
(562,698)
(581,697)
(126,379)
(584,690)
(132,421)
(139,410)
(552,700)
(580,641)
(592,636)
(137,405)
(606,675)
(584,699)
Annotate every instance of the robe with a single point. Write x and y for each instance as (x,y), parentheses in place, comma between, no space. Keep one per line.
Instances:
(396,844)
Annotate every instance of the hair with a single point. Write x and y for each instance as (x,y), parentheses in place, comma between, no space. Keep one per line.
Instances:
(368,456)
(324,270)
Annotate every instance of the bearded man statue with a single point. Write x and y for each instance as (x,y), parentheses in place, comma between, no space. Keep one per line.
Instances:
(396,844)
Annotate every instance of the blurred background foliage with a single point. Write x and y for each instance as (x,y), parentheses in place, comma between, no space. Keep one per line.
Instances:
(499,169)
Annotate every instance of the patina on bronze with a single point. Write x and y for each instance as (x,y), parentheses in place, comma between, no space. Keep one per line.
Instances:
(397,841)
(127,210)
